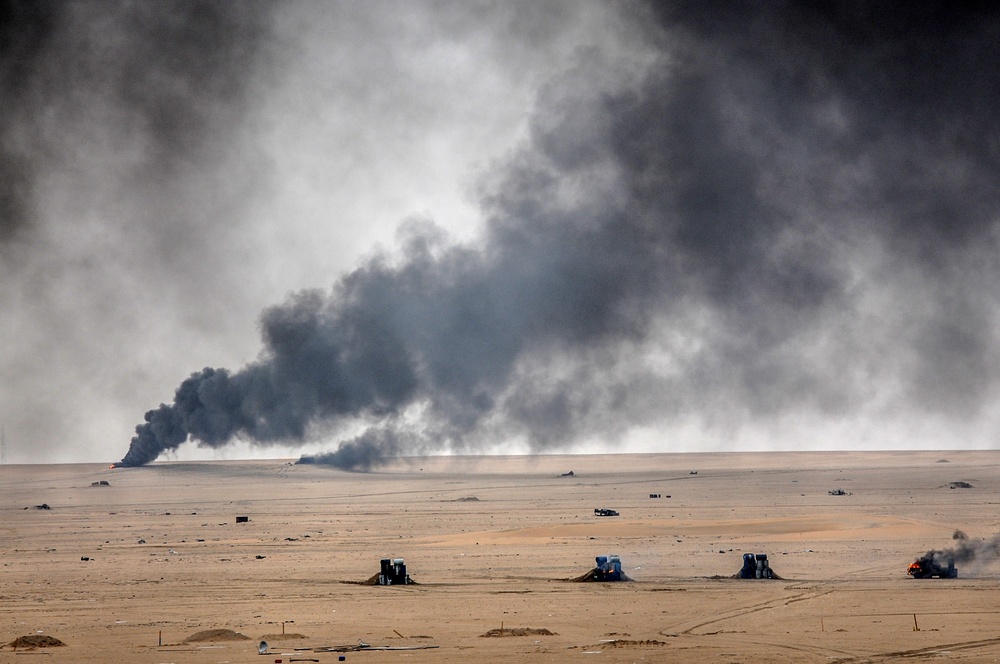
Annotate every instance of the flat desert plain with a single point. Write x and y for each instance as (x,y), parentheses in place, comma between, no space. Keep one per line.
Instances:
(492,543)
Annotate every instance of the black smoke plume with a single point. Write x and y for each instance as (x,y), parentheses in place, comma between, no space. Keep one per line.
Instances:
(783,212)
(965,551)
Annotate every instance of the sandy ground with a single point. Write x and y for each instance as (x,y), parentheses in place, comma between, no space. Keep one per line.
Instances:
(168,560)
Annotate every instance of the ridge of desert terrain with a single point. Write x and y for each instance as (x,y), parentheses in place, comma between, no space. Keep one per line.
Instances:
(149,564)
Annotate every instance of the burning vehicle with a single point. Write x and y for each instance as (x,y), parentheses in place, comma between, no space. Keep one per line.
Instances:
(927,567)
(609,568)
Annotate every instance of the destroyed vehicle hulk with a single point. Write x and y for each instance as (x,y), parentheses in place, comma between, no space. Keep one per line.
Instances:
(926,568)
(609,568)
(393,573)
(755,566)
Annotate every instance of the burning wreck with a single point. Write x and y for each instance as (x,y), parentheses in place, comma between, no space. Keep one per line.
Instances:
(927,567)
(941,562)
(607,568)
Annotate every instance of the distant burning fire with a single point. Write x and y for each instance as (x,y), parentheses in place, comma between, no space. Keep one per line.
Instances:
(927,567)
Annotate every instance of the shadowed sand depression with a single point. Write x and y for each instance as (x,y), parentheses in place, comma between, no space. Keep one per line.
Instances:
(167,559)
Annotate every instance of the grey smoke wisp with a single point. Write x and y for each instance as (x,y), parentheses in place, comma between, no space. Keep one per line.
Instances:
(785,213)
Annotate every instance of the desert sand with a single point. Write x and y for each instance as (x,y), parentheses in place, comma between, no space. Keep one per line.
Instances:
(491,543)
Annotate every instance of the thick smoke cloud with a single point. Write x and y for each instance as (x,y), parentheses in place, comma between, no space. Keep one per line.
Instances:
(966,551)
(172,168)
(165,75)
(785,213)
(116,120)
(24,31)
(769,226)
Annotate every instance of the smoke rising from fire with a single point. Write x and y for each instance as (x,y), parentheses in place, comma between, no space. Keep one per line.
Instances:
(967,550)
(684,214)
(774,226)
(759,223)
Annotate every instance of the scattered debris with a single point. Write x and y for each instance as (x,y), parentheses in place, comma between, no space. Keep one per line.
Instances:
(517,631)
(216,635)
(361,645)
(838,492)
(960,485)
(602,511)
(626,643)
(35,641)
